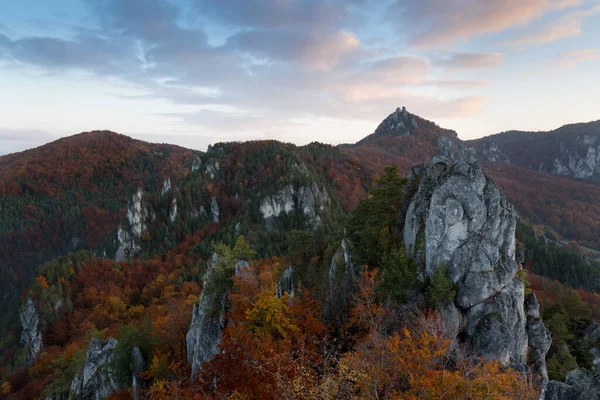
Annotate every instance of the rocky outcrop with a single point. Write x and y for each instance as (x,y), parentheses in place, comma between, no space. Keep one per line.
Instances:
(128,236)
(493,153)
(96,378)
(173,210)
(310,200)
(138,366)
(459,218)
(166,186)
(343,276)
(214,209)
(286,282)
(581,163)
(208,318)
(31,337)
(399,123)
(539,337)
(204,337)
(213,169)
(196,164)
(579,385)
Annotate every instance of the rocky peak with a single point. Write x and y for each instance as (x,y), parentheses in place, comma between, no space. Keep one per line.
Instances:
(460,219)
(31,337)
(398,123)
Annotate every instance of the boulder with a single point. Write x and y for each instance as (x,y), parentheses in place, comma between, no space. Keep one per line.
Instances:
(579,385)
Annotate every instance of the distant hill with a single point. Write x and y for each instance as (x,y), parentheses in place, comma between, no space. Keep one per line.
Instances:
(572,150)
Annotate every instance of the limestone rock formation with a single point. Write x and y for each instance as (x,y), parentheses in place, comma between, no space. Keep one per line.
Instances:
(166,186)
(138,366)
(309,199)
(399,123)
(581,162)
(31,337)
(204,336)
(539,337)
(459,218)
(129,236)
(343,276)
(208,318)
(96,379)
(196,164)
(214,209)
(579,385)
(492,152)
(286,282)
(213,169)
(173,210)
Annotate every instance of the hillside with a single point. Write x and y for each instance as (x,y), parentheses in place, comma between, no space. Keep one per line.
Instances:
(572,150)
(71,194)
(168,243)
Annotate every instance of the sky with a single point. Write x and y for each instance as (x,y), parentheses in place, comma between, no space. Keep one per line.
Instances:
(197,72)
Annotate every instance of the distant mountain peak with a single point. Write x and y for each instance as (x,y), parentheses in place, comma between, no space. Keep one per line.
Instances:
(398,123)
(402,123)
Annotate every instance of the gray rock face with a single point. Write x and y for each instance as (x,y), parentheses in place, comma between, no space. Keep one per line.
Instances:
(310,200)
(204,337)
(454,149)
(399,123)
(213,169)
(579,385)
(173,210)
(30,333)
(139,366)
(580,162)
(459,218)
(492,152)
(214,209)
(96,379)
(166,186)
(539,337)
(286,282)
(196,164)
(343,276)
(208,319)
(127,239)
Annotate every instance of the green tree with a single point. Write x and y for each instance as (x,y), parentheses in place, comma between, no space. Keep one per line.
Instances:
(440,288)
(131,336)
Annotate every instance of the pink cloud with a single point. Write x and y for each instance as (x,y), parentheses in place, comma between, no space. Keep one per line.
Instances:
(567,26)
(569,59)
(470,60)
(451,21)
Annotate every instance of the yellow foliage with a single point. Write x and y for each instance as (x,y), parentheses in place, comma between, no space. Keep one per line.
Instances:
(270,315)
(5,388)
